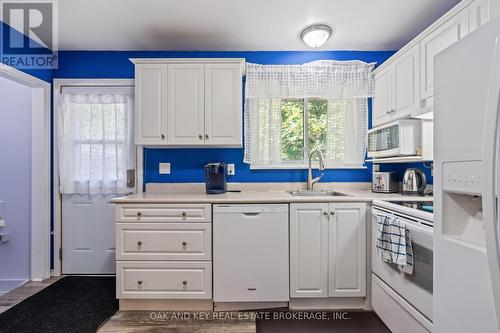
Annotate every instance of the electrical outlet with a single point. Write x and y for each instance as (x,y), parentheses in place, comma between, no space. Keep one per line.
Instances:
(230,170)
(164,168)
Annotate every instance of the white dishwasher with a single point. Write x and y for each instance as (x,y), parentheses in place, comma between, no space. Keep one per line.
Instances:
(250,247)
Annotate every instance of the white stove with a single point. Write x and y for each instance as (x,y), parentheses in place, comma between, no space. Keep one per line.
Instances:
(418,209)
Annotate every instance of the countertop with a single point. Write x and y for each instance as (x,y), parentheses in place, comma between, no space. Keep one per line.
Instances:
(275,196)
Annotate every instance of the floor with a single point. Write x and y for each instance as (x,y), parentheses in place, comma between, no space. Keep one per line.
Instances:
(141,321)
(18,295)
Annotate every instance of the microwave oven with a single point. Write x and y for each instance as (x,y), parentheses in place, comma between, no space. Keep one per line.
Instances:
(399,138)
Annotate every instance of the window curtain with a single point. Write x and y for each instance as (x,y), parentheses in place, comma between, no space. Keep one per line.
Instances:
(346,85)
(95,140)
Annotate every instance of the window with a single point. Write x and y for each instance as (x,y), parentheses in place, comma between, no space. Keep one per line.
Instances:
(289,129)
(291,110)
(95,139)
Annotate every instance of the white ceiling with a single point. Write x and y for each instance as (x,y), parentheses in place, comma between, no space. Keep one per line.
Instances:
(241,25)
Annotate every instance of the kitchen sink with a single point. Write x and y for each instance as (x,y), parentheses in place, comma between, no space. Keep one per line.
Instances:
(316,193)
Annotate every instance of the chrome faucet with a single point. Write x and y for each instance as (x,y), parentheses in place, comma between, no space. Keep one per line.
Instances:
(310,180)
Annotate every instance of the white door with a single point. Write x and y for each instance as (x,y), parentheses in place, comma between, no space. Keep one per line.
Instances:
(96,158)
(150,91)
(382,100)
(88,234)
(347,250)
(441,38)
(309,250)
(223,104)
(406,83)
(185,100)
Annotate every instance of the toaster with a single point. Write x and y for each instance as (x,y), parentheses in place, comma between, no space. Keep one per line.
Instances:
(385,182)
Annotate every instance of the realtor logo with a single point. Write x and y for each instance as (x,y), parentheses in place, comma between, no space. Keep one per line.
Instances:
(29,34)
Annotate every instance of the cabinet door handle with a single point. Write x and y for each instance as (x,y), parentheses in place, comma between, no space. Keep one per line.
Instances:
(325,213)
(200,137)
(139,214)
(184,283)
(206,136)
(184,214)
(332,213)
(139,243)
(163,136)
(139,282)
(184,244)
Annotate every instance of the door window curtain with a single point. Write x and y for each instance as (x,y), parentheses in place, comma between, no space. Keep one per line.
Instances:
(95,140)
(344,85)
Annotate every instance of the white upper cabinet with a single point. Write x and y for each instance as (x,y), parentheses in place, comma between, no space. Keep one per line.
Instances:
(397,89)
(185,100)
(382,102)
(442,37)
(223,95)
(404,84)
(347,250)
(150,122)
(189,102)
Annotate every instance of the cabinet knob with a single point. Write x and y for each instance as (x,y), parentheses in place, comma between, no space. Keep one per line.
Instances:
(183,214)
(332,213)
(139,243)
(206,136)
(163,136)
(184,283)
(139,214)
(200,137)
(325,213)
(139,282)
(184,244)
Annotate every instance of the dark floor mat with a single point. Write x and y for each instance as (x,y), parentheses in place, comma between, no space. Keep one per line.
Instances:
(73,304)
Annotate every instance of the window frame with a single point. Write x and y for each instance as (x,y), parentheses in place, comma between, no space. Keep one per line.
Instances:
(304,164)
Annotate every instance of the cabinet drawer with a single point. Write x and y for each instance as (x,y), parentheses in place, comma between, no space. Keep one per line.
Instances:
(163,241)
(163,280)
(164,213)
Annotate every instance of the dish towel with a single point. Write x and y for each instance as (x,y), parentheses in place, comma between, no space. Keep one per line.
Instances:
(394,243)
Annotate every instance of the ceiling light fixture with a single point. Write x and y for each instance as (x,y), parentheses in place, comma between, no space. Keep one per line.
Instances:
(316,35)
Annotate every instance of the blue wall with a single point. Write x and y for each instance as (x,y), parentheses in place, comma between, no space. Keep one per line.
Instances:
(187,164)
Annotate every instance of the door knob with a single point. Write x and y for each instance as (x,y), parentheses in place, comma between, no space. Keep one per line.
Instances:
(332,213)
(200,137)
(206,136)
(139,282)
(184,244)
(163,136)
(139,243)
(184,283)
(139,214)
(184,214)
(325,213)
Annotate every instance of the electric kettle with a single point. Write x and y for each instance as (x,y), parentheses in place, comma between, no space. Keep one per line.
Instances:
(414,182)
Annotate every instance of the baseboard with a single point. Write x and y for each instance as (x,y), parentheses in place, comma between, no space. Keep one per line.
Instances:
(166,305)
(337,303)
(242,306)
(7,285)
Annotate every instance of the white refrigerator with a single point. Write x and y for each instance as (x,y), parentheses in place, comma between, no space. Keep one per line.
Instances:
(466,149)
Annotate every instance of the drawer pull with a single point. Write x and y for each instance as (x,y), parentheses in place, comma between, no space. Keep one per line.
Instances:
(184,214)
(184,244)
(325,213)
(139,243)
(139,214)
(332,213)
(184,283)
(139,282)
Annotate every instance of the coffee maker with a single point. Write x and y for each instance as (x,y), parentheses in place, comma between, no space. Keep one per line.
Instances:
(215,178)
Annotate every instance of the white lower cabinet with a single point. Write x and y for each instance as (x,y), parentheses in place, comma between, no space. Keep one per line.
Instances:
(164,251)
(327,250)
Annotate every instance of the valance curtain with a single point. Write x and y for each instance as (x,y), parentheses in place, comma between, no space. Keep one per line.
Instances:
(345,85)
(95,146)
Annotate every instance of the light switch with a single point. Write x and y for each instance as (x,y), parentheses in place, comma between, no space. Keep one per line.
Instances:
(164,168)
(230,170)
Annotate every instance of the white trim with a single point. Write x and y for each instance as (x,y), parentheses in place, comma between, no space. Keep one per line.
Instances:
(241,61)
(300,166)
(58,84)
(40,171)
(139,170)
